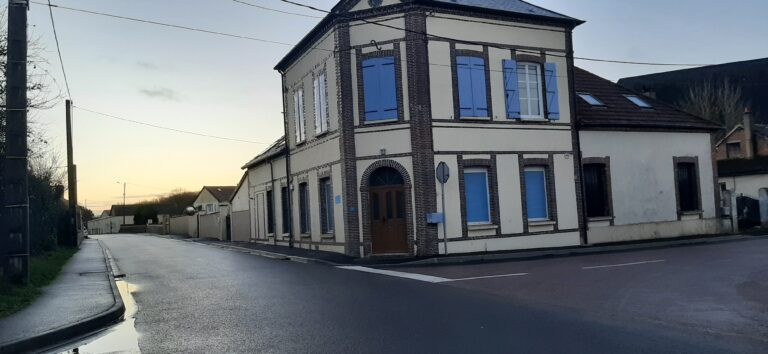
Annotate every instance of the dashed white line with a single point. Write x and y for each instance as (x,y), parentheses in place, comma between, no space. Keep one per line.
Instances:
(624,264)
(422,277)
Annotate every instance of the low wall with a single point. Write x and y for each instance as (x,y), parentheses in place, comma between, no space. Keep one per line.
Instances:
(158,229)
(241,225)
(212,226)
(133,229)
(621,233)
(185,225)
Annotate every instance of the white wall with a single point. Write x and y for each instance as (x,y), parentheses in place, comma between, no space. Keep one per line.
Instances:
(748,186)
(643,183)
(107,225)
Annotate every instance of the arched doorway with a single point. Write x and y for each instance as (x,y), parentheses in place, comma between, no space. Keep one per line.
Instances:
(387,210)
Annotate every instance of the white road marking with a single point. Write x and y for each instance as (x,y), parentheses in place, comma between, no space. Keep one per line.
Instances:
(490,276)
(422,277)
(624,264)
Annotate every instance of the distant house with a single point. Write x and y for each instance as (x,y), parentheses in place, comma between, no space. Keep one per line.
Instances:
(742,158)
(241,219)
(213,206)
(109,221)
(670,87)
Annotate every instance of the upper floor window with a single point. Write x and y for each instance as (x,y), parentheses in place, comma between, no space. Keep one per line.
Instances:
(473,99)
(638,101)
(589,98)
(524,89)
(321,104)
(379,89)
(733,149)
(298,114)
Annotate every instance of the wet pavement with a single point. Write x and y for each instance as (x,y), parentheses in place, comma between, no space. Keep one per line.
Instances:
(193,297)
(82,290)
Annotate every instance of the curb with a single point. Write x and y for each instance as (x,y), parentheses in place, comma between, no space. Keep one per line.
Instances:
(77,329)
(273,255)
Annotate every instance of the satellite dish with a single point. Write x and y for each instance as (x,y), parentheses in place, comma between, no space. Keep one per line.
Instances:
(190,210)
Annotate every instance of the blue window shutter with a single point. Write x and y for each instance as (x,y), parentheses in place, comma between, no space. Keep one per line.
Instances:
(550,82)
(511,92)
(371,88)
(464,75)
(476,195)
(388,88)
(479,98)
(535,194)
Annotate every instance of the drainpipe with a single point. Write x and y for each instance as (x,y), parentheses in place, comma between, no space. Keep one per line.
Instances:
(583,220)
(287,165)
(272,182)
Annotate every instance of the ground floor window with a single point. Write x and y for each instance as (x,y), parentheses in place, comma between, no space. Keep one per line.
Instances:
(286,209)
(687,186)
(326,205)
(476,196)
(536,193)
(596,190)
(304,208)
(270,213)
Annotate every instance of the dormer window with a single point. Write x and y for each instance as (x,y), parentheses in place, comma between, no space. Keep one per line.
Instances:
(638,101)
(592,100)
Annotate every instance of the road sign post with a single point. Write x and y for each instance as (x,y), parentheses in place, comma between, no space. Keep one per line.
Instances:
(443,173)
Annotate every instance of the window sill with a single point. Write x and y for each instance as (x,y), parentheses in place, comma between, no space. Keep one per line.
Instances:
(541,223)
(534,119)
(300,143)
(321,134)
(474,118)
(482,227)
(380,121)
(600,218)
(305,236)
(327,237)
(692,212)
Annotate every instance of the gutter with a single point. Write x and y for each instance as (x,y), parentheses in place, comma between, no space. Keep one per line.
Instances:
(287,153)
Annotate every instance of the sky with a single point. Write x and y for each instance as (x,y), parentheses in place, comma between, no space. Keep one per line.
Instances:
(227,86)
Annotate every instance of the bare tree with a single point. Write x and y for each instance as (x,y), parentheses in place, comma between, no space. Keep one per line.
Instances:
(719,102)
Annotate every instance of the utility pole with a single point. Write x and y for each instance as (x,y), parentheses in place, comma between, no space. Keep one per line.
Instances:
(72,181)
(123,201)
(14,226)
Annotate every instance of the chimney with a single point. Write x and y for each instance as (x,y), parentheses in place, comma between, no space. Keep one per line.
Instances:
(749,150)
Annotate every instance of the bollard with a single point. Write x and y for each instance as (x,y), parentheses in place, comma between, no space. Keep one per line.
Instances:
(734,212)
(764,207)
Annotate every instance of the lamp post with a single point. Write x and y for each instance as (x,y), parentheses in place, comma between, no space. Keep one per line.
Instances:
(124,183)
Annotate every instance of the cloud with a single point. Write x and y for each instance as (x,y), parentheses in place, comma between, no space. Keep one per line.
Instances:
(147,65)
(162,93)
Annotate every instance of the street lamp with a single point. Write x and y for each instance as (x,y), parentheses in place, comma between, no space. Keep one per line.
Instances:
(124,183)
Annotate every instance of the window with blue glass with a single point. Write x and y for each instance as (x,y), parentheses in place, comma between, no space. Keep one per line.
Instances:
(536,193)
(476,196)
(473,98)
(379,89)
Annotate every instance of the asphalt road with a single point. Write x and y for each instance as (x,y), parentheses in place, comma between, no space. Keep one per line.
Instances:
(192,297)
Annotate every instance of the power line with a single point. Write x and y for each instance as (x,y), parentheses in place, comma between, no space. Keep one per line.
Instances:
(163,24)
(167,128)
(275,10)
(490,45)
(58,49)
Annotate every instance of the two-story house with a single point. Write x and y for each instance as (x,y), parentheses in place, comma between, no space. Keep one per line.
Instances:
(381,92)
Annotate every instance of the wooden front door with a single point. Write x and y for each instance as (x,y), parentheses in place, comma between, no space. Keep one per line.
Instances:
(388,228)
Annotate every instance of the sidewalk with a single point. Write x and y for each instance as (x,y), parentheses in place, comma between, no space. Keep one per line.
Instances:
(83,299)
(335,259)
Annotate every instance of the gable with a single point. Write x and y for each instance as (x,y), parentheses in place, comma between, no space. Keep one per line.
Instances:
(205,197)
(369,4)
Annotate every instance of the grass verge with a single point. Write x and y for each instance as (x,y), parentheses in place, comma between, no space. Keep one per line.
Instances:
(43,270)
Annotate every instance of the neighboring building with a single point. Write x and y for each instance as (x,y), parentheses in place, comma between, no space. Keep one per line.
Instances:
(671,87)
(648,170)
(213,207)
(241,210)
(109,221)
(368,119)
(743,158)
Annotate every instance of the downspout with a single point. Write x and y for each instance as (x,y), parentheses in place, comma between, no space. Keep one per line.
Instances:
(581,208)
(287,165)
(272,182)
